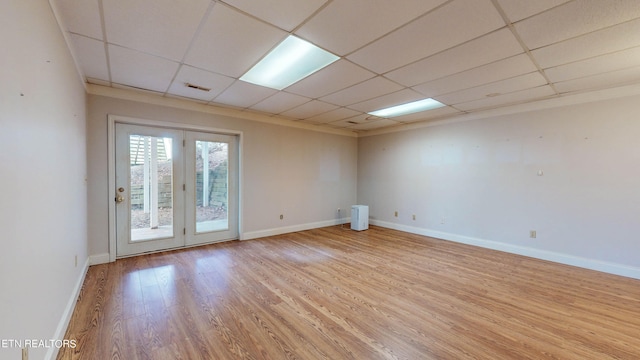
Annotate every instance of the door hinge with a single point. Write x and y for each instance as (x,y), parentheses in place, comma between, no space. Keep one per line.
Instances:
(184,231)
(184,187)
(184,142)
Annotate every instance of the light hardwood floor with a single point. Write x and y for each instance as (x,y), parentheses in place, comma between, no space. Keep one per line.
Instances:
(333,293)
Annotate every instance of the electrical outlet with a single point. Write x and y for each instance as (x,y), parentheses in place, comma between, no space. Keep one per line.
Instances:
(532,234)
(395,214)
(442,220)
(414,216)
(25,353)
(281,216)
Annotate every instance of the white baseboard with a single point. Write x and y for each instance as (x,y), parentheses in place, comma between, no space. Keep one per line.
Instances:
(98,259)
(52,353)
(592,264)
(289,229)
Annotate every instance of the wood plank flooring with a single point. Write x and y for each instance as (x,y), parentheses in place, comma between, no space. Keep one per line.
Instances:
(333,293)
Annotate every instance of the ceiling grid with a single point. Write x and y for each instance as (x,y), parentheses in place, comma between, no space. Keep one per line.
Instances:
(471,55)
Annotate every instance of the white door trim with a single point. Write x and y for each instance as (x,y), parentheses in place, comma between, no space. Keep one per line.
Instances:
(111,166)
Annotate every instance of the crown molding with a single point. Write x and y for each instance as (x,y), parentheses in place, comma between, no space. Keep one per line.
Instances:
(186,104)
(547,103)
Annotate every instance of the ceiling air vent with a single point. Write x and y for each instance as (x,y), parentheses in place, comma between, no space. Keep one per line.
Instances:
(201,88)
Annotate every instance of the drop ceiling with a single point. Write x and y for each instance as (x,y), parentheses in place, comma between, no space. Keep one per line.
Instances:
(471,55)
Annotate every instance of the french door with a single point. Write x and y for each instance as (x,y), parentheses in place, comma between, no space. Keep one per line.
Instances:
(211,189)
(174,188)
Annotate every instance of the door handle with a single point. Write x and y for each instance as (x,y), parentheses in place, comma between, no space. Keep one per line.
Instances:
(120,198)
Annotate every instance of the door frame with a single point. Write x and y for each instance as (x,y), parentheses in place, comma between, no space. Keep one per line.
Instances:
(111,166)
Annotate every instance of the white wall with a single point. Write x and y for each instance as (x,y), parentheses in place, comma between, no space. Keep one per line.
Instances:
(476,182)
(304,175)
(43,161)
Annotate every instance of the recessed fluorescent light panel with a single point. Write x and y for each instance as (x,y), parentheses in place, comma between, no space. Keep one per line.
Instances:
(291,61)
(408,108)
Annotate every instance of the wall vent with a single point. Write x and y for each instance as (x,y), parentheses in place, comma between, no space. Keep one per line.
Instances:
(197,87)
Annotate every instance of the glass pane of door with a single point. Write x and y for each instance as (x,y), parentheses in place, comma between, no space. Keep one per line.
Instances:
(151,186)
(212,186)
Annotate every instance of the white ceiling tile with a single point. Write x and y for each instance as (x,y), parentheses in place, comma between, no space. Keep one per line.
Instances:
(341,124)
(133,68)
(229,42)
(506,86)
(352,121)
(517,10)
(573,19)
(489,48)
(499,70)
(137,89)
(610,62)
(507,99)
(310,109)
(190,75)
(286,14)
(346,25)
(243,94)
(397,98)
(427,115)
(608,40)
(375,124)
(160,27)
(82,17)
(446,27)
(306,121)
(280,102)
(333,115)
(609,79)
(92,57)
(337,76)
(366,90)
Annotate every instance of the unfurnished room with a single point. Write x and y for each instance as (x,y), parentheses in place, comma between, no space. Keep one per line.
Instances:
(320,179)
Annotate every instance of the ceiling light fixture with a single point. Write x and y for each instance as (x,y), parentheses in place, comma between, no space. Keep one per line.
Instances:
(291,61)
(408,108)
